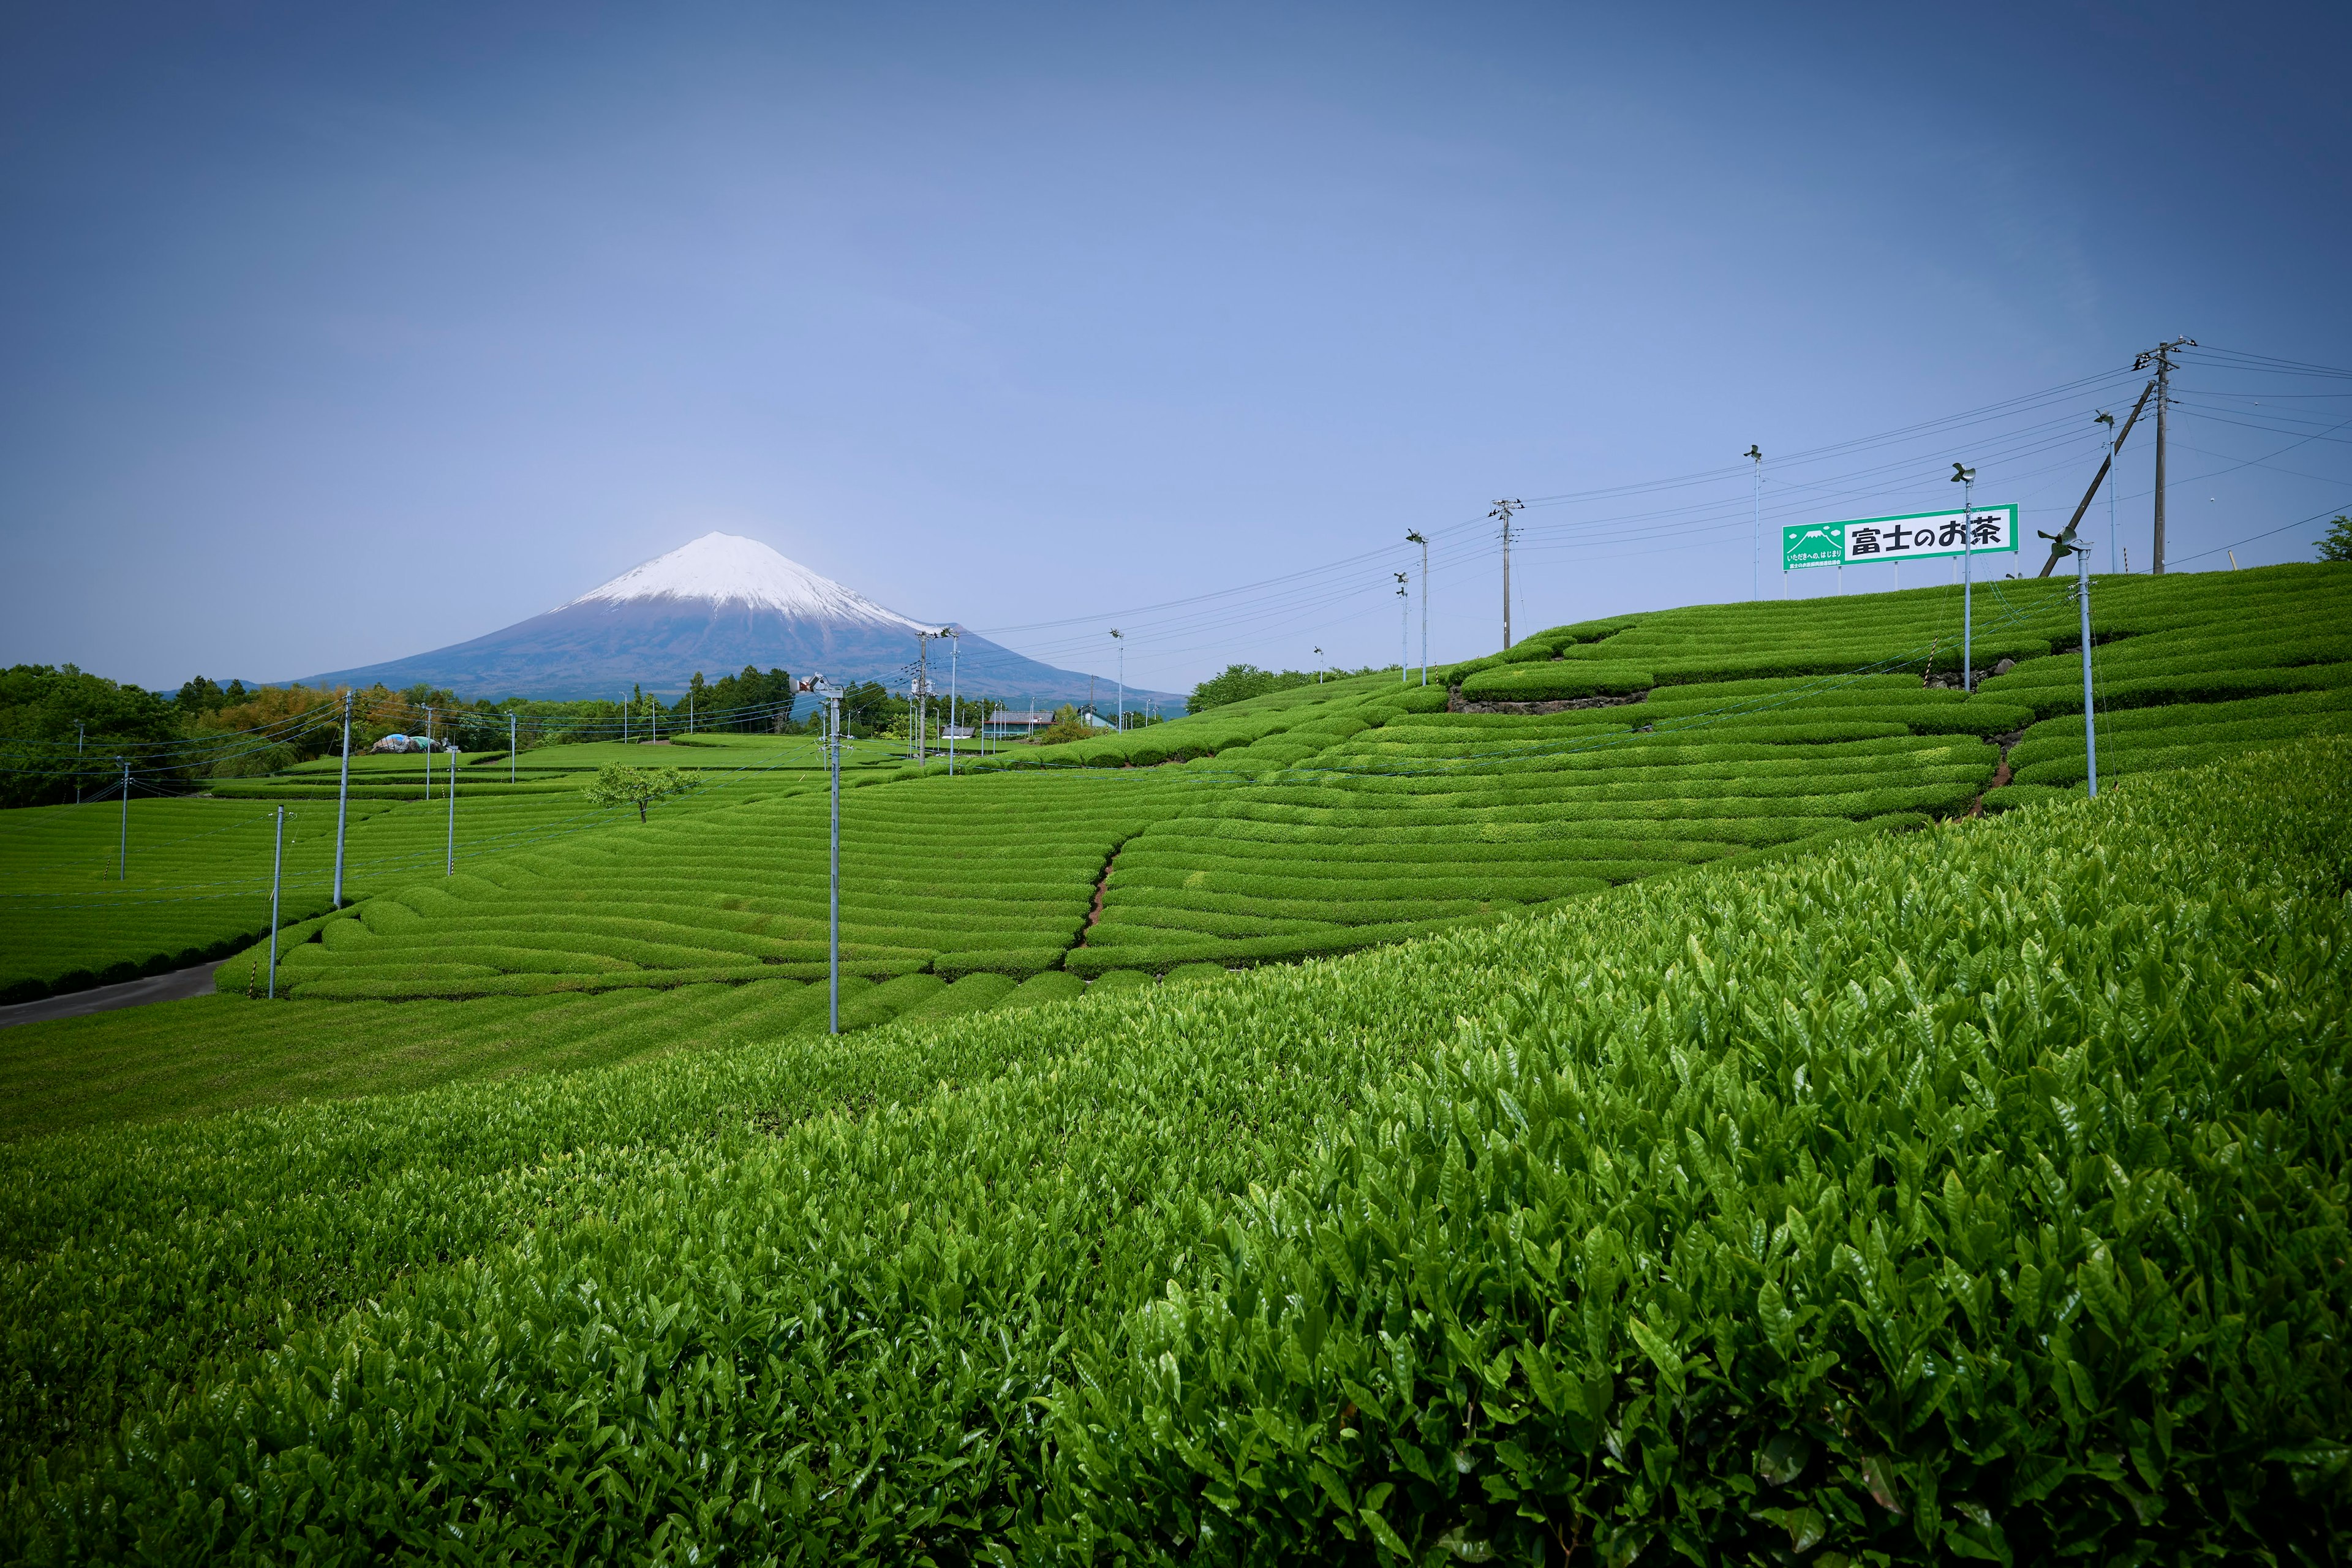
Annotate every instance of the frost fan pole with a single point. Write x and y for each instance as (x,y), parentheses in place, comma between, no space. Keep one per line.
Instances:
(2064,536)
(451,869)
(342,798)
(818,686)
(1412,536)
(122,864)
(2090,720)
(1966,477)
(276,871)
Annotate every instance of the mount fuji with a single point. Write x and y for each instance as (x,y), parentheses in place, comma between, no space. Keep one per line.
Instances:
(715,606)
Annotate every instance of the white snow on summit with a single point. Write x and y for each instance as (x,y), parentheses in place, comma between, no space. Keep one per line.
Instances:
(727,568)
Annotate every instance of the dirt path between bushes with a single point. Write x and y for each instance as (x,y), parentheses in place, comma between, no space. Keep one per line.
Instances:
(1101,882)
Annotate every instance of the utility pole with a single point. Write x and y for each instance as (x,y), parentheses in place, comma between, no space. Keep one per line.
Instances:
(817,685)
(1120,637)
(510,747)
(276,871)
(1412,536)
(342,798)
(1503,509)
(428,753)
(1404,629)
(122,869)
(955,655)
(78,742)
(452,868)
(1966,478)
(2160,356)
(1756,454)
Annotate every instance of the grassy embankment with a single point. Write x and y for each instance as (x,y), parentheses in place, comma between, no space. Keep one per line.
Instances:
(1974,1192)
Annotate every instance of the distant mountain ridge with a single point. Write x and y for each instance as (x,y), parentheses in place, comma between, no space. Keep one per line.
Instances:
(716,604)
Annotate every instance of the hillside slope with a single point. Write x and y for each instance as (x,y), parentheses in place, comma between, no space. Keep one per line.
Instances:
(1976,1193)
(1327,819)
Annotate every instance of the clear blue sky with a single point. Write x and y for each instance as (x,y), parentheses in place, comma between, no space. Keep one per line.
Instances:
(334,333)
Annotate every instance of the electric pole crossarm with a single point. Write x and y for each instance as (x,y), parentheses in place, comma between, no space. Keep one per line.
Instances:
(2065,536)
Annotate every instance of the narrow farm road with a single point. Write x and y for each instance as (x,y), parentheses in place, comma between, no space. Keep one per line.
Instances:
(177,986)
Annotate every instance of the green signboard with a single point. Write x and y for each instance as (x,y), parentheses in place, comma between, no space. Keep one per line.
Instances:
(1912,536)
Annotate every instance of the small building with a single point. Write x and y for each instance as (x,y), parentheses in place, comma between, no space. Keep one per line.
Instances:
(1009,725)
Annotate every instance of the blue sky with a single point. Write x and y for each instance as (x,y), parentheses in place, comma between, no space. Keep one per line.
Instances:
(331,334)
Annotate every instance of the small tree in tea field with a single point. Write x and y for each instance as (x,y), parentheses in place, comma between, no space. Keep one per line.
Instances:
(616,785)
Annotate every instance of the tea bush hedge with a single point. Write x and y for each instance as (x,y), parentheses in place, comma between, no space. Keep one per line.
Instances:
(1968,1193)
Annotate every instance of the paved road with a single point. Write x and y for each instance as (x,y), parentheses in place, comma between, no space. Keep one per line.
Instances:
(171,988)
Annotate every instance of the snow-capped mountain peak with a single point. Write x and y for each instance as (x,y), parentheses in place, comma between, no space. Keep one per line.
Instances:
(727,568)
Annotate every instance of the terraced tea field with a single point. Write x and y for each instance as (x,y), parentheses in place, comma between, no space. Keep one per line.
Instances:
(1310,822)
(1973,1193)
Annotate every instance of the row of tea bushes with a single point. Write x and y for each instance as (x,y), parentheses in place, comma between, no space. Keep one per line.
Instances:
(198,877)
(1973,1194)
(966,875)
(1429,821)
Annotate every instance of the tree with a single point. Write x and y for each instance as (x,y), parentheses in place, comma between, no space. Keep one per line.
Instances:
(2337,543)
(67,728)
(1066,726)
(616,785)
(1239,682)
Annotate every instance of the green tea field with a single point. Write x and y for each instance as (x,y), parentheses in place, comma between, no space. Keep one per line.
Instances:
(1695,1086)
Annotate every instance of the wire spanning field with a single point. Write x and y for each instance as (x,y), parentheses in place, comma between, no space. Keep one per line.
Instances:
(1967,1194)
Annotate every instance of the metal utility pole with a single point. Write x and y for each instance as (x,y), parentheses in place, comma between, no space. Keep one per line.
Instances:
(123,871)
(2082,554)
(1120,637)
(2090,719)
(342,798)
(276,871)
(2160,356)
(955,655)
(1756,454)
(2107,473)
(1404,630)
(2064,536)
(817,685)
(1966,478)
(1413,537)
(452,868)
(1503,509)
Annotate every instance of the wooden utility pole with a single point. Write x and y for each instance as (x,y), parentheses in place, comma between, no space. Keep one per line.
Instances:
(2160,356)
